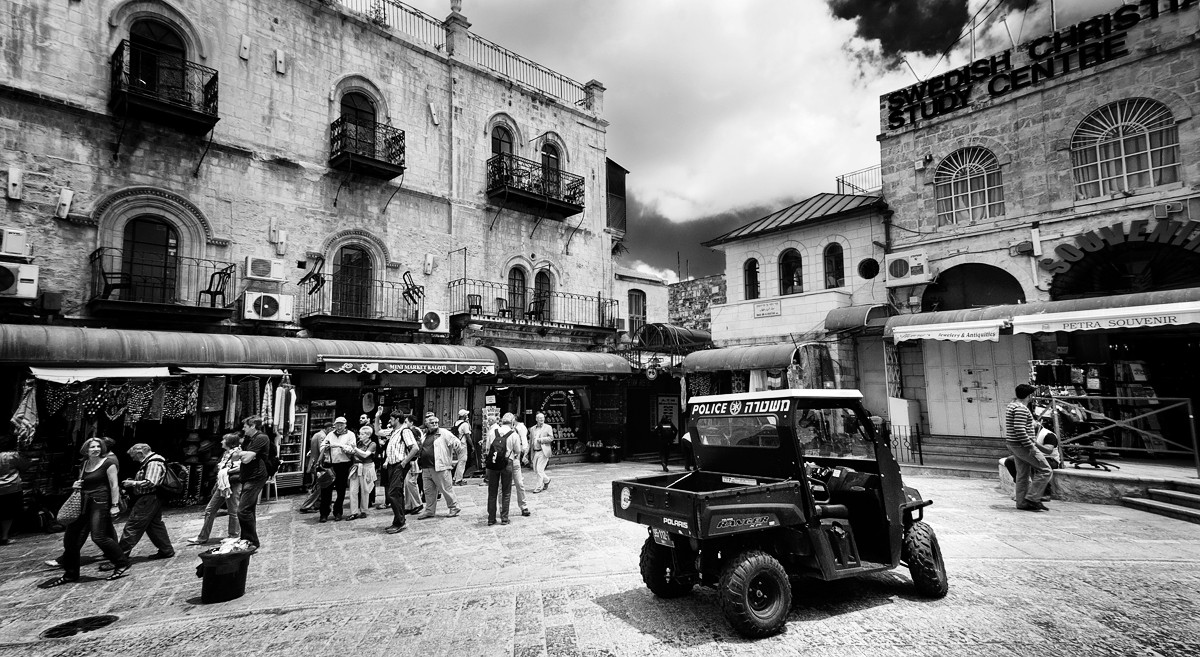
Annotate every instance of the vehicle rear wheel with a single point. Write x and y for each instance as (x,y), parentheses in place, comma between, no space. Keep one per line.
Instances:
(755,594)
(658,571)
(924,559)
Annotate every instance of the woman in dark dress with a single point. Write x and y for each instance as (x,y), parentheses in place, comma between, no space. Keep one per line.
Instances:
(100,504)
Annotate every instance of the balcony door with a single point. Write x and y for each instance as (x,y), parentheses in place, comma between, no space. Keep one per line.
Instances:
(156,62)
(352,282)
(551,171)
(358,124)
(541,292)
(518,292)
(150,260)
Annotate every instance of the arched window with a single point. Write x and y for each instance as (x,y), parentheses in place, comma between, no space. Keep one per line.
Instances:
(541,292)
(1124,146)
(502,141)
(517,291)
(637,310)
(353,283)
(150,260)
(750,278)
(835,267)
(358,123)
(550,169)
(791,272)
(156,62)
(968,187)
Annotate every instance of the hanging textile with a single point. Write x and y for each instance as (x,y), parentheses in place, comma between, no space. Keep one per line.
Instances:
(138,399)
(247,398)
(212,394)
(95,400)
(55,397)
(158,399)
(231,417)
(284,415)
(267,409)
(115,402)
(25,419)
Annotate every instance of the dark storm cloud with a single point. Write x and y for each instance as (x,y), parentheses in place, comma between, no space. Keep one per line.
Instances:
(664,244)
(928,27)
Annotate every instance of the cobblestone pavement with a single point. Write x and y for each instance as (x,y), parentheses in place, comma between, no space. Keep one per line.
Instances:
(1081,580)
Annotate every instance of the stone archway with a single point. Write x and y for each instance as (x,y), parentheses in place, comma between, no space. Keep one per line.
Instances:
(971,285)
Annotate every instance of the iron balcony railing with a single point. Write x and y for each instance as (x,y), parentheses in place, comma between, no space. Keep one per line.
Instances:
(160,276)
(368,139)
(334,295)
(527,305)
(146,72)
(525,71)
(863,181)
(508,170)
(414,23)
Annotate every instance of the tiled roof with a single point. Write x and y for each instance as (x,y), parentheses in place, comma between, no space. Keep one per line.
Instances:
(818,207)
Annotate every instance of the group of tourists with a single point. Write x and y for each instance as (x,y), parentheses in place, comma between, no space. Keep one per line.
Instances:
(420,464)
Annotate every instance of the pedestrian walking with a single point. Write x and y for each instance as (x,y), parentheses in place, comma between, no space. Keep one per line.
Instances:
(440,452)
(504,445)
(541,442)
(98,486)
(336,453)
(1033,472)
(145,511)
(111,457)
(12,465)
(313,501)
(383,438)
(256,448)
(362,473)
(665,430)
(226,493)
(402,450)
(514,465)
(462,429)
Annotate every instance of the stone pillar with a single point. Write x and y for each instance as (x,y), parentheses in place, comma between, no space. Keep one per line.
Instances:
(457,26)
(594,100)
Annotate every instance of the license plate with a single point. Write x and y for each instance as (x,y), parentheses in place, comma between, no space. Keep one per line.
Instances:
(662,537)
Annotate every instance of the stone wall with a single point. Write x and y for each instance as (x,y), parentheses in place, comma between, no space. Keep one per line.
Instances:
(690,302)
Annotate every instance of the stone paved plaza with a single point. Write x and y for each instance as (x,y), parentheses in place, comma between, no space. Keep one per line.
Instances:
(1081,580)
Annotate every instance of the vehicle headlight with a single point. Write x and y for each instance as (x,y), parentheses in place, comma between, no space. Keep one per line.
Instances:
(626,497)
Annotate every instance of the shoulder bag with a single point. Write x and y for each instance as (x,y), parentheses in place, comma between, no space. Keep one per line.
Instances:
(71,509)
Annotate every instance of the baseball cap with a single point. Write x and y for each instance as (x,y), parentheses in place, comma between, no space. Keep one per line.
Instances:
(463,412)
(339,419)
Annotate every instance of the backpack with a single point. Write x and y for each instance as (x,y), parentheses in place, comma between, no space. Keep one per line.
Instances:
(271,460)
(497,455)
(175,476)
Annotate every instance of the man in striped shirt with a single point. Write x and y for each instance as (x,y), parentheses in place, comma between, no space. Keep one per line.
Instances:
(1033,472)
(145,512)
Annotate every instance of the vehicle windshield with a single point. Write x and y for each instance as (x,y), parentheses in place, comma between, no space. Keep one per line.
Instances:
(739,431)
(831,432)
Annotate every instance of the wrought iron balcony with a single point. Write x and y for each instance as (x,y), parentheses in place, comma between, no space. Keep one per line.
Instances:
(163,87)
(366,147)
(159,281)
(351,301)
(864,181)
(506,304)
(527,186)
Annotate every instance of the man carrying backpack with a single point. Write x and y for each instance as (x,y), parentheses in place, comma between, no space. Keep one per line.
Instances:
(258,456)
(503,447)
(145,511)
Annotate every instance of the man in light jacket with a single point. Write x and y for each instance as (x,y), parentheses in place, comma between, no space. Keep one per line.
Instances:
(440,452)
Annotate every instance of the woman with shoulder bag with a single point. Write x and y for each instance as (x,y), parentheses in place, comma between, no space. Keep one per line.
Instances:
(99,497)
(227,492)
(362,473)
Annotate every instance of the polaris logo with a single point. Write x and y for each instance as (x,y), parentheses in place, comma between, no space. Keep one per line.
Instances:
(748,522)
(675,523)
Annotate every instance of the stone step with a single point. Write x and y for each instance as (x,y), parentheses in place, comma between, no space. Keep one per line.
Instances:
(963,441)
(1163,509)
(966,454)
(1178,498)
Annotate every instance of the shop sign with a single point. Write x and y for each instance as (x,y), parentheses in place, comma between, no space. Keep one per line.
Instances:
(1081,46)
(1110,318)
(408,367)
(949,332)
(768,309)
(1175,233)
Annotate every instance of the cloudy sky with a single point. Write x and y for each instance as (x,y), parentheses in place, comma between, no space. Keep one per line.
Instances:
(727,110)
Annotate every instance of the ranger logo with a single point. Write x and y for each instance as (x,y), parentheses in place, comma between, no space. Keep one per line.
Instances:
(675,523)
(748,522)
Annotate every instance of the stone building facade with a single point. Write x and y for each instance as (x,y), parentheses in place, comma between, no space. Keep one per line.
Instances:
(1046,203)
(691,301)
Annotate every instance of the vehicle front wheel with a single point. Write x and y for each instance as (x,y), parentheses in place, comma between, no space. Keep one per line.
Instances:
(755,594)
(658,571)
(924,559)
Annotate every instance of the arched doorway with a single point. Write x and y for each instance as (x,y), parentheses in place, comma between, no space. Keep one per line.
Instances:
(971,285)
(358,117)
(157,61)
(150,260)
(352,282)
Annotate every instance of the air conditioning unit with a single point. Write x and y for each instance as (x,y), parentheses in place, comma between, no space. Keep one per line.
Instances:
(264,269)
(435,321)
(18,281)
(13,242)
(1165,210)
(907,269)
(268,307)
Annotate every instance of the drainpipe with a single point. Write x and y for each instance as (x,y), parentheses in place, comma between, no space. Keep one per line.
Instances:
(457,27)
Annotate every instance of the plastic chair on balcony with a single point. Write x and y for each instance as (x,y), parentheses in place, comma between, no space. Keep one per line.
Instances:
(412,291)
(537,310)
(502,309)
(475,304)
(218,283)
(113,281)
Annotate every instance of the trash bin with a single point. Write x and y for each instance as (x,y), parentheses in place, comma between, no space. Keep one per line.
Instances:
(224,575)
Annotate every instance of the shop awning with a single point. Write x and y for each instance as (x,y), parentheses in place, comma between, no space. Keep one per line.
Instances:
(757,357)
(976,331)
(670,338)
(233,371)
(83,347)
(856,317)
(413,365)
(546,361)
(1103,319)
(77,374)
